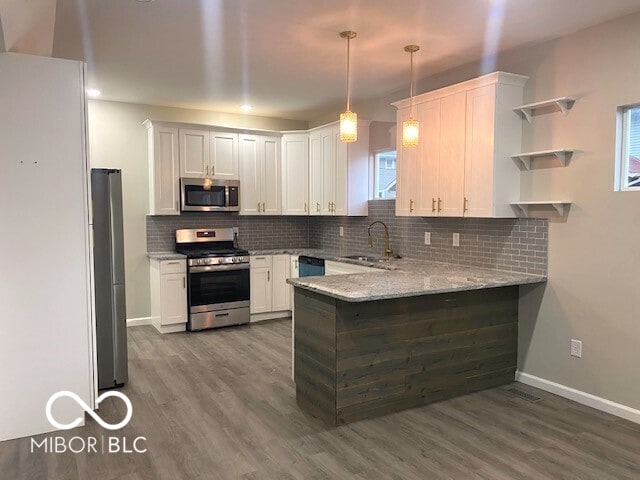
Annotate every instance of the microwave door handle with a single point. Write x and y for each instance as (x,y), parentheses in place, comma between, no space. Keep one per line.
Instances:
(226,196)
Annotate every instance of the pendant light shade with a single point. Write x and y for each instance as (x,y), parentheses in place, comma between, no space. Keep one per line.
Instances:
(410,127)
(348,119)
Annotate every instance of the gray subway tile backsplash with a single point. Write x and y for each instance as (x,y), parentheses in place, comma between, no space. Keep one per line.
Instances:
(518,245)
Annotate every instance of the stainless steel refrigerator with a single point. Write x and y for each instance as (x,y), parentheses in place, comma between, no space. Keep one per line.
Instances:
(108,256)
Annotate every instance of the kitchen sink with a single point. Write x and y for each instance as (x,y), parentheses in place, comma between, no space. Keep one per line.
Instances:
(365,258)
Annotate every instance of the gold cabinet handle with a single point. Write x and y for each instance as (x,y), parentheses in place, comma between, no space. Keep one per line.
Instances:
(184,282)
(268,275)
(213,170)
(305,207)
(317,207)
(433,205)
(465,208)
(411,206)
(440,203)
(258,207)
(206,170)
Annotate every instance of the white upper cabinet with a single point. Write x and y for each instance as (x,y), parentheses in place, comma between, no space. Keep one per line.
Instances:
(223,155)
(315,173)
(462,165)
(194,153)
(205,153)
(339,172)
(164,169)
(260,184)
(406,184)
(295,174)
(452,145)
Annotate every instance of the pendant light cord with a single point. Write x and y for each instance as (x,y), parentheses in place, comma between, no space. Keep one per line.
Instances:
(411,86)
(348,89)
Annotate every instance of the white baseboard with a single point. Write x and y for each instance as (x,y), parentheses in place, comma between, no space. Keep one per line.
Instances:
(134,322)
(581,397)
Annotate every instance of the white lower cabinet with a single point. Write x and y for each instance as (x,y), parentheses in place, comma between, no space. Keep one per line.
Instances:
(270,293)
(169,311)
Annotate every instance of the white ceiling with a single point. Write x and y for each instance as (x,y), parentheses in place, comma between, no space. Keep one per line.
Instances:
(285,56)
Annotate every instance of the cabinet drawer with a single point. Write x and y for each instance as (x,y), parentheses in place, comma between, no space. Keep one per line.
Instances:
(173,266)
(260,261)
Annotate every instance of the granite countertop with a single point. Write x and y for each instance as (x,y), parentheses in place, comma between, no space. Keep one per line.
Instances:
(400,278)
(166,256)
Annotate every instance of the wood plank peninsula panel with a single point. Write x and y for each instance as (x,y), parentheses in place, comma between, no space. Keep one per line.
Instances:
(357,360)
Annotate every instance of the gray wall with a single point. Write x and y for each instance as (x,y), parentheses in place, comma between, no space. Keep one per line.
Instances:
(518,245)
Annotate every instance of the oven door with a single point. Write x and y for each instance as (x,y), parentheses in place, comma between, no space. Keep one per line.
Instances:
(218,287)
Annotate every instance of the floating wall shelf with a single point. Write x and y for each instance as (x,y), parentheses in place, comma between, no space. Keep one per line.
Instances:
(564,104)
(525,158)
(559,205)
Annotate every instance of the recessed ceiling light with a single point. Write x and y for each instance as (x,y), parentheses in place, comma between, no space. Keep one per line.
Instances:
(246,108)
(93,92)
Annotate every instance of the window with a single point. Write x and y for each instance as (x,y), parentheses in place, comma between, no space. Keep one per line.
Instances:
(629,148)
(385,175)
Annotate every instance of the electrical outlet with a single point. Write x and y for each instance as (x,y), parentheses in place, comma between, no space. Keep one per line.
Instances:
(342,231)
(456,239)
(427,238)
(576,348)
(236,231)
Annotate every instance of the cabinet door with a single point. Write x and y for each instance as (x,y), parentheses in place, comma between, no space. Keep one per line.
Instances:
(223,154)
(271,187)
(173,296)
(341,176)
(260,290)
(280,289)
(250,170)
(328,175)
(295,174)
(427,168)
(452,146)
(315,173)
(479,155)
(165,166)
(405,171)
(194,153)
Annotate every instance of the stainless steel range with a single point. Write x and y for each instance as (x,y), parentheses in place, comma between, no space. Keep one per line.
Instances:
(218,278)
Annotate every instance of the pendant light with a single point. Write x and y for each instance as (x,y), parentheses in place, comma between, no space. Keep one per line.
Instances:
(410,127)
(348,119)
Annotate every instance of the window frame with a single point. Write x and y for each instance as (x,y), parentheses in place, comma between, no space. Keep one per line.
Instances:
(376,171)
(623,139)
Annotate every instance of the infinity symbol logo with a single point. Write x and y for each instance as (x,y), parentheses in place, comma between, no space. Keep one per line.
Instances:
(86,408)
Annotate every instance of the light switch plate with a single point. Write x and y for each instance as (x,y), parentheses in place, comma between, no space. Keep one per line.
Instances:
(342,231)
(236,231)
(456,239)
(427,238)
(576,348)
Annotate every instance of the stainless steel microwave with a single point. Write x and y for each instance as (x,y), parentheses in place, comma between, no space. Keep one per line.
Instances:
(207,195)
